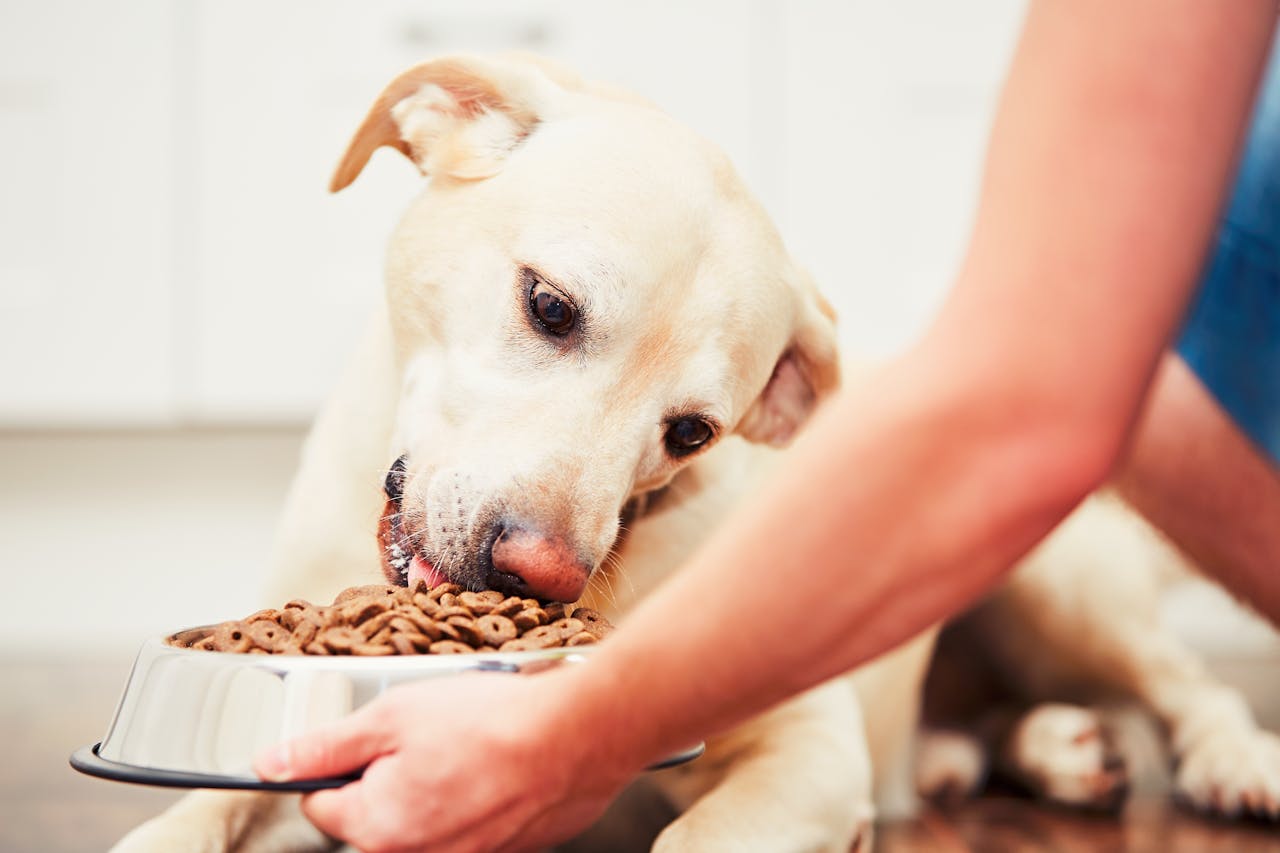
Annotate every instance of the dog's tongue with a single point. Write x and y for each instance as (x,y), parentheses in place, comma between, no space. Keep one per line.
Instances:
(420,569)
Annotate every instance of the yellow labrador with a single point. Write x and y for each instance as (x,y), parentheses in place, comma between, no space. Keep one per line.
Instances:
(589,319)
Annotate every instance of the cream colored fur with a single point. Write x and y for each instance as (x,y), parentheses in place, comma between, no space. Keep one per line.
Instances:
(694,304)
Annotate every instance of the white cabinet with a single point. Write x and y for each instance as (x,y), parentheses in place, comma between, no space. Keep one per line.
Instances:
(86,234)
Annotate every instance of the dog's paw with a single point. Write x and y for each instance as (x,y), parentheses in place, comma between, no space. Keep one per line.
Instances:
(1232,773)
(949,765)
(1061,753)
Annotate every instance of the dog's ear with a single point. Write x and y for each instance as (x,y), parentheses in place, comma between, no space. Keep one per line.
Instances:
(806,372)
(457,116)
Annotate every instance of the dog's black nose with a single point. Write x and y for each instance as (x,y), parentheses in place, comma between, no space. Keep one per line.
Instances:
(507,584)
(394,484)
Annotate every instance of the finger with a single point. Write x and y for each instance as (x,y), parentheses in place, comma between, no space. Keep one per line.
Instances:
(332,811)
(335,749)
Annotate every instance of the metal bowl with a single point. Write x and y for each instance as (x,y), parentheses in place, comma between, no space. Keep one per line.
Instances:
(196,718)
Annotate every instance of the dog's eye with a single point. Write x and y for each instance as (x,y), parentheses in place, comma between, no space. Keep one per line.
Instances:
(552,308)
(687,434)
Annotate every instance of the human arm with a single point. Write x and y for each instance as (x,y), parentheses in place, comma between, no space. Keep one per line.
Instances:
(909,494)
(1196,476)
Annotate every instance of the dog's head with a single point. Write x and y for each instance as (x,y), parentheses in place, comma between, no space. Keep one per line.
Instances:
(583,299)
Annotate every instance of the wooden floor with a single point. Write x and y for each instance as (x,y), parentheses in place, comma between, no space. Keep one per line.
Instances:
(1007,823)
(49,709)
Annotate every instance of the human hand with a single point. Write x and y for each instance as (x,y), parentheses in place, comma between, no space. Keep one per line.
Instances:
(475,762)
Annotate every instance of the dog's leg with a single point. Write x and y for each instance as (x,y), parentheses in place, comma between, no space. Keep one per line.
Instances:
(950,765)
(890,689)
(1084,609)
(221,822)
(1224,763)
(327,536)
(797,778)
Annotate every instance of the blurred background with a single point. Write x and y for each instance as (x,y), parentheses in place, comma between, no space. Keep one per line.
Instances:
(178,290)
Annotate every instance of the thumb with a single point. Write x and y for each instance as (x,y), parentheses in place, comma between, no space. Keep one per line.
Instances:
(333,750)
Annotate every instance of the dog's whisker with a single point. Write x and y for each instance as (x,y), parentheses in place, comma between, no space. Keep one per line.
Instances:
(603,581)
(599,584)
(614,559)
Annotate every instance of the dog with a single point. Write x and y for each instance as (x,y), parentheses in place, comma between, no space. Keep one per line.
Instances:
(590,322)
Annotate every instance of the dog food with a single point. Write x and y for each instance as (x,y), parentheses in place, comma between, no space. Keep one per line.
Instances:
(391,620)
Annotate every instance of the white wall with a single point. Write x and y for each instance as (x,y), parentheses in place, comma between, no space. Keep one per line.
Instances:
(108,538)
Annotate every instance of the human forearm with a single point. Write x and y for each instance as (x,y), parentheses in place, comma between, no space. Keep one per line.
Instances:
(1194,475)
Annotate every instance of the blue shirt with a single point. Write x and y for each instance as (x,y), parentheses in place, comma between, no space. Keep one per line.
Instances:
(1232,334)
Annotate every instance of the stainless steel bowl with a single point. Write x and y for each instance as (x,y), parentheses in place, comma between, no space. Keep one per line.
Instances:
(196,718)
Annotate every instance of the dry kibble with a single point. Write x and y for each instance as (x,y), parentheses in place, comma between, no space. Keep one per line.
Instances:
(467,630)
(542,637)
(316,616)
(231,637)
(381,638)
(267,636)
(267,615)
(425,603)
(449,632)
(477,602)
(508,607)
(363,609)
(404,644)
(424,624)
(359,592)
(370,627)
(450,647)
(379,621)
(596,625)
(305,632)
(527,620)
(568,627)
(441,590)
(495,629)
(341,639)
(400,625)
(372,650)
